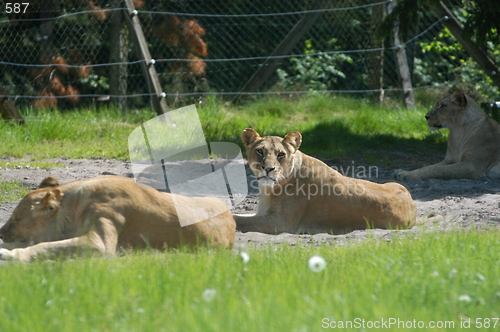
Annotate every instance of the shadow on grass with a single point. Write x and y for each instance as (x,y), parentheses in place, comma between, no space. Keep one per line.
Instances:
(336,140)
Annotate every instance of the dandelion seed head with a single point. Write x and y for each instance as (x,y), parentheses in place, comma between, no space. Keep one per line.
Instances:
(464,298)
(316,263)
(209,294)
(245,257)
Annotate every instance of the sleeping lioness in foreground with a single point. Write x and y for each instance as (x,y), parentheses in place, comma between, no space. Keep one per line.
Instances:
(105,214)
(300,194)
(473,143)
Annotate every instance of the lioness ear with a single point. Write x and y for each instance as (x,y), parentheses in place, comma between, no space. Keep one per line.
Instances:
(52,199)
(458,98)
(294,139)
(49,181)
(248,136)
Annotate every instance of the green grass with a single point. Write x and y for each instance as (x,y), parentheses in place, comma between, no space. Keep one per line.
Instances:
(75,134)
(332,126)
(434,277)
(11,191)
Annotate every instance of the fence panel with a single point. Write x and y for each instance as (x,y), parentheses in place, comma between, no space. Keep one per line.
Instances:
(68,53)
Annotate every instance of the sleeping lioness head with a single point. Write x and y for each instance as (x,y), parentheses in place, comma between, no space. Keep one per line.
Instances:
(272,159)
(450,111)
(31,220)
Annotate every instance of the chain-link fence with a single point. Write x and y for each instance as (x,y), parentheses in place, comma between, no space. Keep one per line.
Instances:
(67,53)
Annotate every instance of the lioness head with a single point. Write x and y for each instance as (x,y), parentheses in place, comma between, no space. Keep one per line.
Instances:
(31,220)
(447,110)
(271,158)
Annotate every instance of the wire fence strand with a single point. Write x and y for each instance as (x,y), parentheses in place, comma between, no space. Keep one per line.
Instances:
(75,53)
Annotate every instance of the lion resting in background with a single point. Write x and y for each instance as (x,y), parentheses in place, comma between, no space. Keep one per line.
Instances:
(300,194)
(105,214)
(473,143)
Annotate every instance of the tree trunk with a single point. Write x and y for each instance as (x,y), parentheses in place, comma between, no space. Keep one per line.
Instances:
(119,54)
(376,61)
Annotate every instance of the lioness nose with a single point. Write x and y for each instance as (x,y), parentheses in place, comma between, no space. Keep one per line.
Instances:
(268,169)
(427,117)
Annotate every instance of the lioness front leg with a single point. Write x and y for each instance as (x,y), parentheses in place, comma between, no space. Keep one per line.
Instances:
(102,238)
(458,170)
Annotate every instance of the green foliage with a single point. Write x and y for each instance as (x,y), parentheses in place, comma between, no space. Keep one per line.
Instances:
(315,71)
(480,22)
(443,59)
(454,65)
(405,13)
(433,277)
(96,82)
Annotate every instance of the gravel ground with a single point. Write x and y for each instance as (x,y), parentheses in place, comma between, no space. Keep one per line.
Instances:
(465,204)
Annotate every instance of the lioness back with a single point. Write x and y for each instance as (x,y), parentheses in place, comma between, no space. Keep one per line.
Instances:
(107,213)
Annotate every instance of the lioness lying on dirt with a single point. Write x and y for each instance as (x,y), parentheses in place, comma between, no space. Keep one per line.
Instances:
(300,194)
(105,214)
(473,143)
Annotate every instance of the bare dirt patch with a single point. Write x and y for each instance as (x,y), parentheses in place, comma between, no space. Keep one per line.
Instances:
(465,204)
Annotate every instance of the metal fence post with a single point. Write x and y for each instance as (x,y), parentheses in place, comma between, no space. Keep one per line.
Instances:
(147,65)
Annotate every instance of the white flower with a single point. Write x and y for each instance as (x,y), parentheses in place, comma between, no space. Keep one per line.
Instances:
(245,257)
(209,294)
(464,298)
(317,263)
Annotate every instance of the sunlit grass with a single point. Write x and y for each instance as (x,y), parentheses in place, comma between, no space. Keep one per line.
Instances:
(433,277)
(11,191)
(71,134)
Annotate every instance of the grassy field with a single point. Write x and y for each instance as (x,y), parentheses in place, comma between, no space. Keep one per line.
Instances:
(443,279)
(332,126)
(440,279)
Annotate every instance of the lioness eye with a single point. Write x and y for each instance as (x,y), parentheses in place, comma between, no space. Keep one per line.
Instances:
(281,155)
(259,152)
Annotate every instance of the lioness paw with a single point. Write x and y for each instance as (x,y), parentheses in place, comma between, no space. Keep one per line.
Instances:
(400,175)
(6,255)
(13,255)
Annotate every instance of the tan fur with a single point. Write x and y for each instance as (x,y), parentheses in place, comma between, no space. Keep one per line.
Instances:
(105,214)
(301,194)
(473,143)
